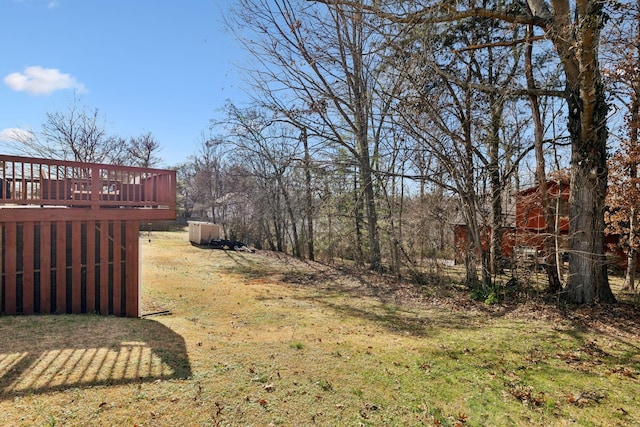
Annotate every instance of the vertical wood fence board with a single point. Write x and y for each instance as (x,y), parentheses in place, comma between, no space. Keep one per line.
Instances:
(45,267)
(104,267)
(2,261)
(10,238)
(76,267)
(28,265)
(91,267)
(61,267)
(132,279)
(117,268)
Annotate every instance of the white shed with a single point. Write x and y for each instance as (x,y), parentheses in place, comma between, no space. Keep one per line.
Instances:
(202,233)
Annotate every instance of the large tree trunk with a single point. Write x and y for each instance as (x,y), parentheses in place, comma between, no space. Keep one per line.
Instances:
(587,281)
(576,39)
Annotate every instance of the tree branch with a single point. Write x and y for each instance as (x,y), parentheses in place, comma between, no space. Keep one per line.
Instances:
(431,16)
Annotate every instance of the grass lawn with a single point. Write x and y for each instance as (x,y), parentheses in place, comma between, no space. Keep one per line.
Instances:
(256,339)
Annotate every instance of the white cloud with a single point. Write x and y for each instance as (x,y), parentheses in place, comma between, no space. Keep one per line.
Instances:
(42,81)
(15,135)
(51,4)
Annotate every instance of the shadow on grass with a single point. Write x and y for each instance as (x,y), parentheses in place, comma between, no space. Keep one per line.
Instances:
(408,308)
(342,289)
(395,319)
(40,354)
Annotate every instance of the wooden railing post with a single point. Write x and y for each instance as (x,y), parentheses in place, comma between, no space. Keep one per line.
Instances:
(95,186)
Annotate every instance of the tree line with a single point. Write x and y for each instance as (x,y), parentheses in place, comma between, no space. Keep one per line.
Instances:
(374,126)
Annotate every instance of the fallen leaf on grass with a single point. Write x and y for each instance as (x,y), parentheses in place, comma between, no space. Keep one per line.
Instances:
(364,412)
(622,370)
(527,396)
(569,357)
(583,397)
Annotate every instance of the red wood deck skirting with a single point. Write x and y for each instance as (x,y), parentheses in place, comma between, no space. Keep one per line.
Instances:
(70,234)
(104,282)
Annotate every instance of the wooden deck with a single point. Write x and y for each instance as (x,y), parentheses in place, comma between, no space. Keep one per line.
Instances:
(70,234)
(92,190)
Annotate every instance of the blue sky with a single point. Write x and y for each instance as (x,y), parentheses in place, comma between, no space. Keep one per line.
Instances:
(159,66)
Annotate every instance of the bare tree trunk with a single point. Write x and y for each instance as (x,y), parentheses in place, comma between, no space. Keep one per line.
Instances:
(358,220)
(309,196)
(495,181)
(294,228)
(474,246)
(497,227)
(366,175)
(277,224)
(553,281)
(470,261)
(632,253)
(496,185)
(375,261)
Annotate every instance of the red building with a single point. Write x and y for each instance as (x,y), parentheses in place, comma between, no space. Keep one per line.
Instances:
(530,224)
(69,234)
(527,234)
(527,230)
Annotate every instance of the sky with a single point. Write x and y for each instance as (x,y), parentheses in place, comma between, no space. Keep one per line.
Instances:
(159,66)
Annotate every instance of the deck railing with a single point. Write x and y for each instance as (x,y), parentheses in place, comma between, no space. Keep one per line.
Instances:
(42,182)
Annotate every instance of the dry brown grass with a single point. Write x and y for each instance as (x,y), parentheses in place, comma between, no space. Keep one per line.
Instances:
(261,339)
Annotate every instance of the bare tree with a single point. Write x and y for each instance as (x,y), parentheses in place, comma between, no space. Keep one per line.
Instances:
(622,77)
(206,181)
(79,134)
(309,210)
(554,284)
(574,28)
(457,88)
(321,67)
(269,149)
(143,151)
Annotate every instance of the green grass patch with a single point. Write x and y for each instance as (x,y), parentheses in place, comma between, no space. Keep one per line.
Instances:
(296,345)
(244,346)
